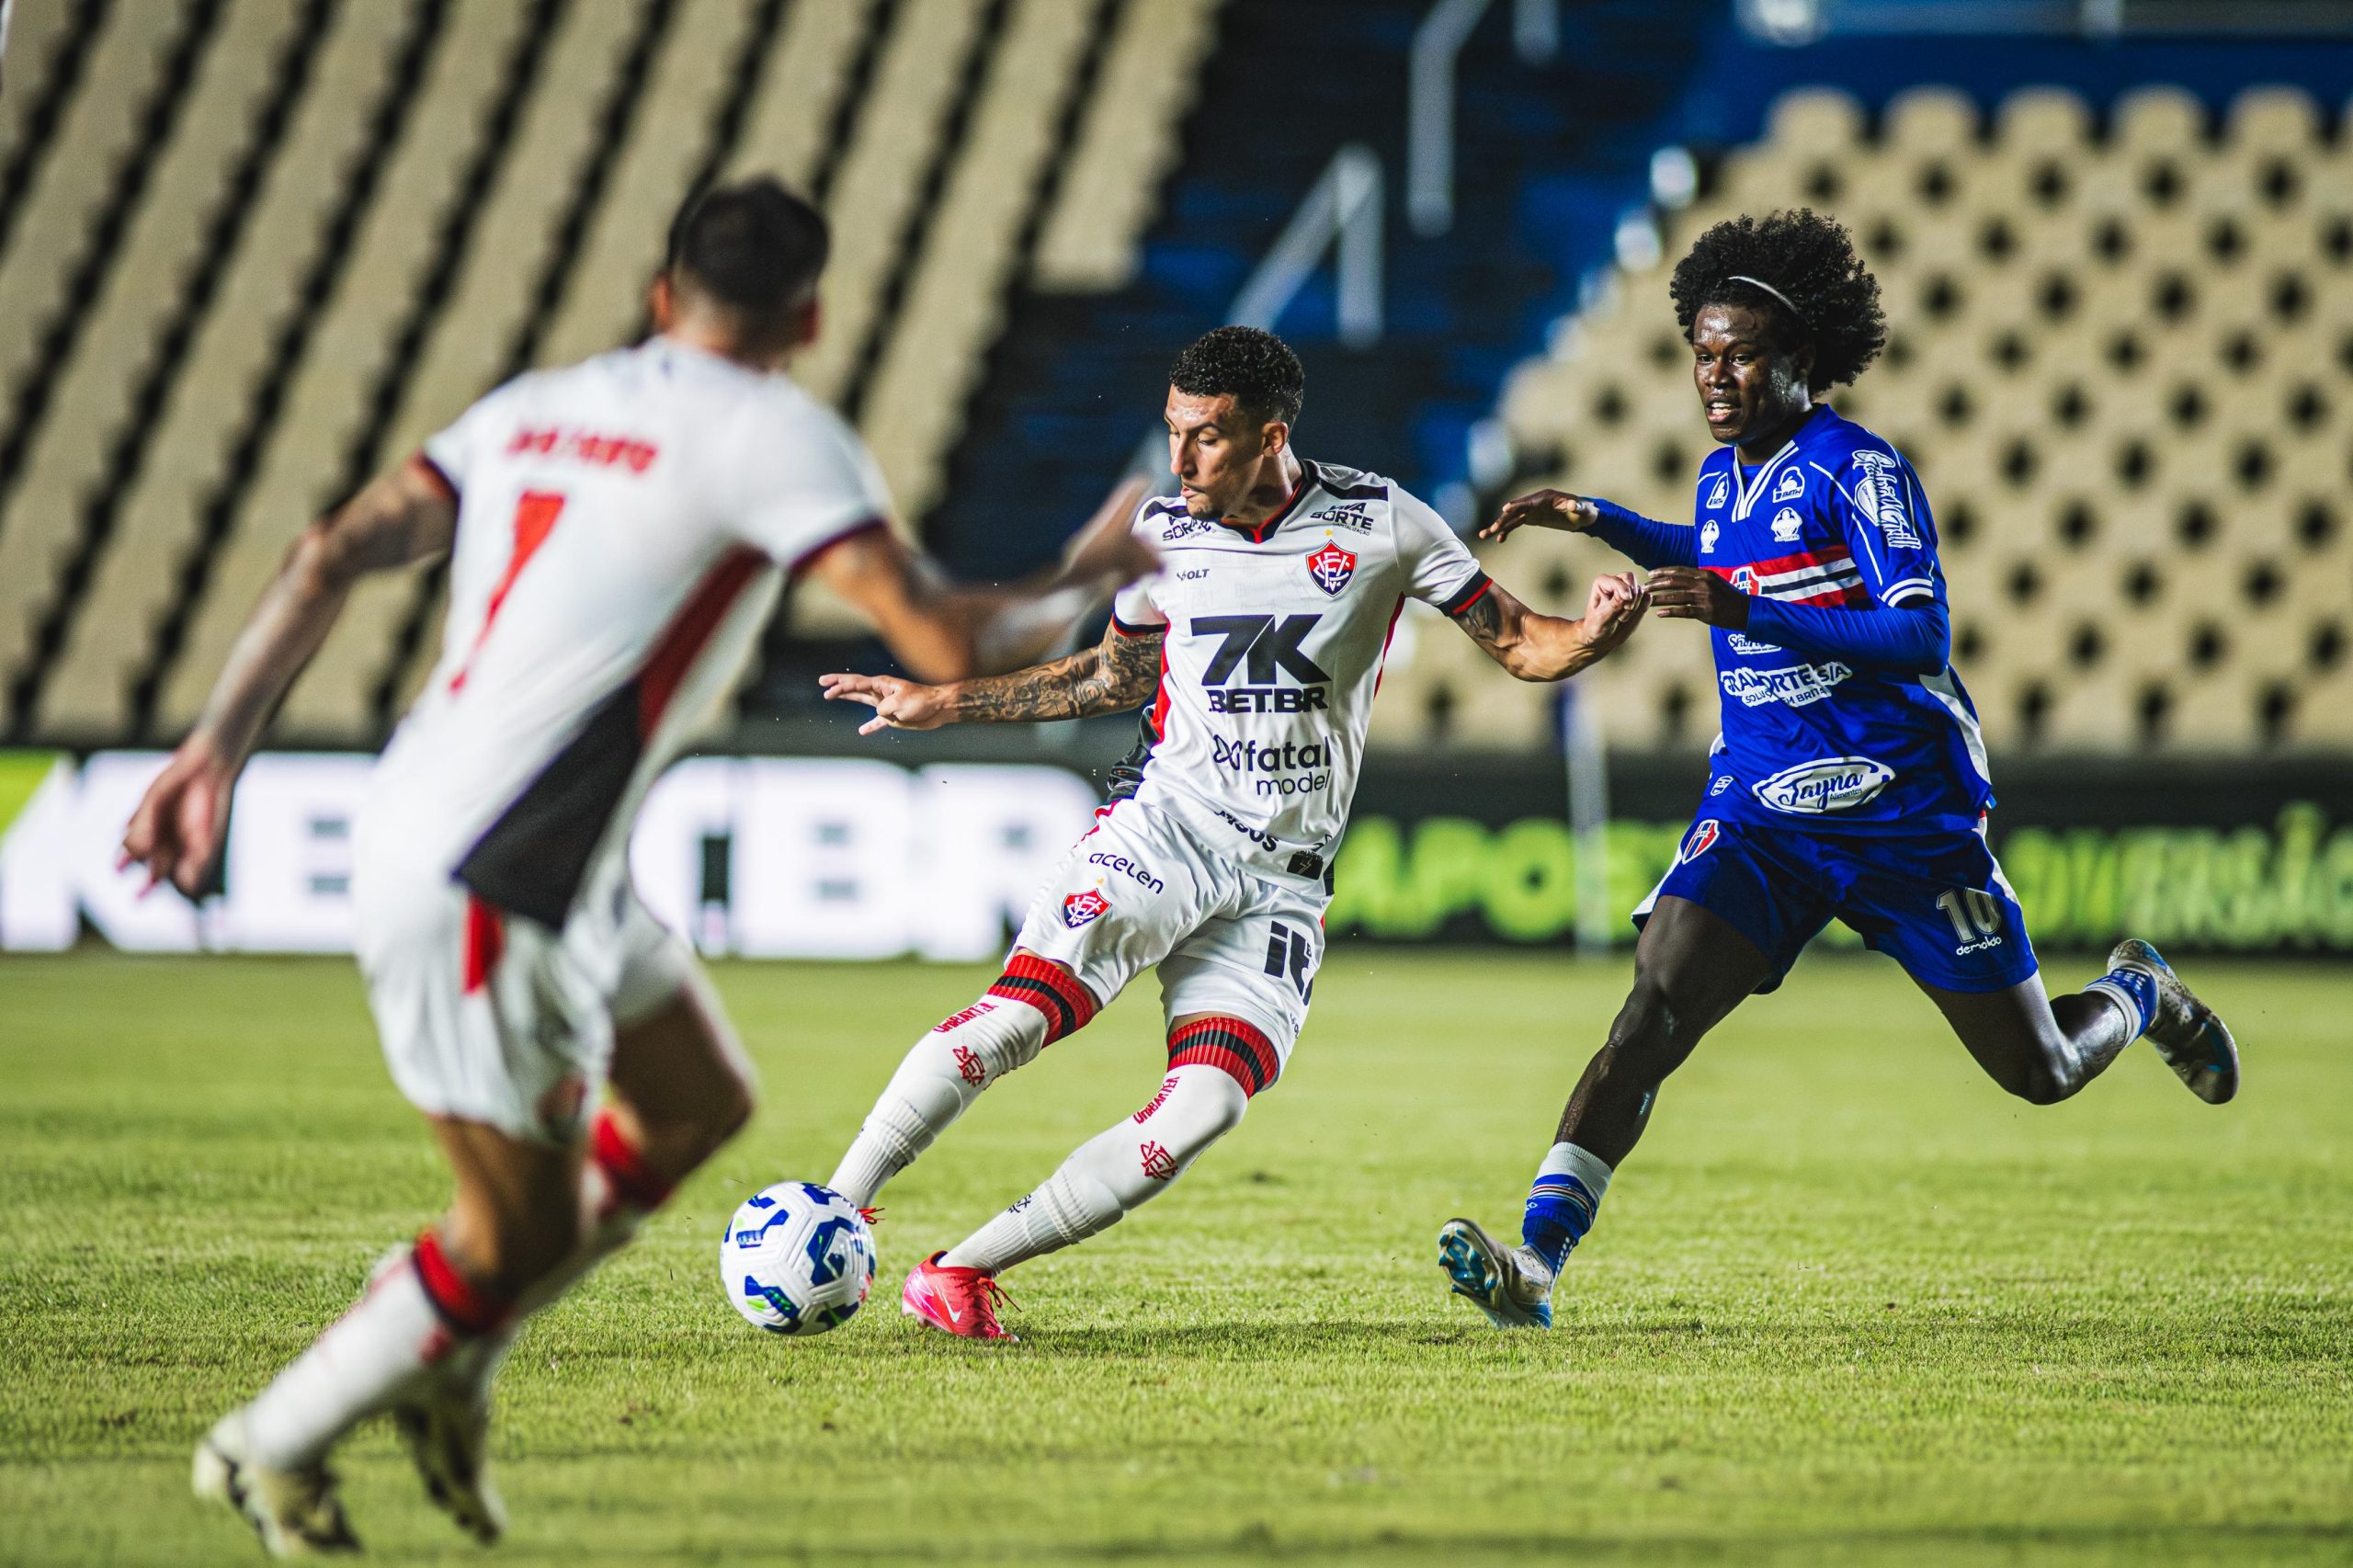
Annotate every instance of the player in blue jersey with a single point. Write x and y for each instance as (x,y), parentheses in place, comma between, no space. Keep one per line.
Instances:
(1849,781)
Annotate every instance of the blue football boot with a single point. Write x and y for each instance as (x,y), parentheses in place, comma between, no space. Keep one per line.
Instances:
(2186,1033)
(1511,1285)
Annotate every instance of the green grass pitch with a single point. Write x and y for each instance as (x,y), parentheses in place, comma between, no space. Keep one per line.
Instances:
(1848,1302)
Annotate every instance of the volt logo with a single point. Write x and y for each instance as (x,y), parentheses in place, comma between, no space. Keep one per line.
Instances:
(1291,955)
(1262,648)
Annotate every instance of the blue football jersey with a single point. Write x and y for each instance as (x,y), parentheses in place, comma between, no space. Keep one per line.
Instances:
(1837,518)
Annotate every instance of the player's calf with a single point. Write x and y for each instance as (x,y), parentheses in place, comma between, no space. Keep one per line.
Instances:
(1215,1065)
(1033,1004)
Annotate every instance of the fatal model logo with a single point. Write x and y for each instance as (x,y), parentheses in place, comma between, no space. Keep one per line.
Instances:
(1703,838)
(1082,907)
(1332,567)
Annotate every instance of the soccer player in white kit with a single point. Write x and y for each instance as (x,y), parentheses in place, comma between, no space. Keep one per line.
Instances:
(1258,647)
(617,533)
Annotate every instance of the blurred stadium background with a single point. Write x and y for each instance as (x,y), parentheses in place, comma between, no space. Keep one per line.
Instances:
(252,250)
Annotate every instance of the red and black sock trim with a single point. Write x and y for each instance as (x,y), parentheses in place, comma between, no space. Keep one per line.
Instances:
(633,1181)
(1230,1045)
(465,1306)
(1469,594)
(1050,989)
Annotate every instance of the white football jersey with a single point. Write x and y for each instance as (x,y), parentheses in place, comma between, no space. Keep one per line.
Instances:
(1272,653)
(624,525)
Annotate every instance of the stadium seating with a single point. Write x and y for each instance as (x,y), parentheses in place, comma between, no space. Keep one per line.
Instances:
(2116,361)
(287,239)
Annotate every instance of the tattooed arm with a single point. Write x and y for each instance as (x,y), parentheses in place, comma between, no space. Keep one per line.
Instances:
(1545,647)
(1113,677)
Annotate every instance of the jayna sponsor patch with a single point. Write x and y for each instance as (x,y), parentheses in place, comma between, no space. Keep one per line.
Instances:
(1828,784)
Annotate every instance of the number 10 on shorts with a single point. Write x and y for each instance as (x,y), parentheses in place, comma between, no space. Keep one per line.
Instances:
(1975,916)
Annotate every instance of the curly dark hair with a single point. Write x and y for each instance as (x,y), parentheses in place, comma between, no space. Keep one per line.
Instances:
(1816,291)
(1258,367)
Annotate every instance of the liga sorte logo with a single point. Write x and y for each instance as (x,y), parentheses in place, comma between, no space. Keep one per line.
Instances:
(1332,567)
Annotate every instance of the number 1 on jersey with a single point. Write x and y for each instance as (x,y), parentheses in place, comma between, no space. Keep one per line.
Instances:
(535,518)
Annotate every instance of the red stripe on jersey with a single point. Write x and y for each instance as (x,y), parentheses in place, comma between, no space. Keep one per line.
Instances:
(1160,702)
(808,558)
(535,517)
(689,632)
(486,943)
(1382,667)
(1829,555)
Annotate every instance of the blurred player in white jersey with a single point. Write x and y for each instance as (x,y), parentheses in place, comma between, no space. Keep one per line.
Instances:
(1259,648)
(617,533)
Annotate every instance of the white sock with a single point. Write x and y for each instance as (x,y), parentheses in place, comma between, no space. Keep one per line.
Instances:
(1567,1159)
(1112,1173)
(937,1082)
(399,1329)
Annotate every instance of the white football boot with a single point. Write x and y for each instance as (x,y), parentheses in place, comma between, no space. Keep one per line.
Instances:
(296,1513)
(1511,1285)
(445,1435)
(2186,1033)
(444,1426)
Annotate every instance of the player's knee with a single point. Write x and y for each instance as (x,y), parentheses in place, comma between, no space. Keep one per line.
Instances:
(2039,1083)
(1052,990)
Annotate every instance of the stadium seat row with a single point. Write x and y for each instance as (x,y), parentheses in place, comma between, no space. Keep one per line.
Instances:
(253,250)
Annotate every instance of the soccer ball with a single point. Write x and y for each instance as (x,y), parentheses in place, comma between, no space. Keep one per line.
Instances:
(797,1259)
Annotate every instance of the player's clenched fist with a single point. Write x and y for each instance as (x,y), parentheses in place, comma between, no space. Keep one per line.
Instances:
(897,704)
(1614,608)
(1543,510)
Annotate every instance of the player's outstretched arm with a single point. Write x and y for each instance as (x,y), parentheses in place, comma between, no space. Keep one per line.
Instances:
(1637,538)
(947,631)
(400,518)
(1546,647)
(1116,675)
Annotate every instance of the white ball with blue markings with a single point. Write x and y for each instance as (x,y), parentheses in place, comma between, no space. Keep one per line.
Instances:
(797,1259)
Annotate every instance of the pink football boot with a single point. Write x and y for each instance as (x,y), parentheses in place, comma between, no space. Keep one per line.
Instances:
(961,1301)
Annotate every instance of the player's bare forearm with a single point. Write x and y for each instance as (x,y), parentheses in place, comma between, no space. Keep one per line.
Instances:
(946,632)
(1116,675)
(1536,647)
(398,519)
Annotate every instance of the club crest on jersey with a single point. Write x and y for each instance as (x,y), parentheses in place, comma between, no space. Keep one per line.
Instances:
(1787,526)
(1744,579)
(1703,838)
(1718,490)
(1080,908)
(1332,567)
(1708,537)
(1791,486)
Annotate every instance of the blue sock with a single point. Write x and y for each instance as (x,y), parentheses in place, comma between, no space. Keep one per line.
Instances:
(1562,1202)
(2133,991)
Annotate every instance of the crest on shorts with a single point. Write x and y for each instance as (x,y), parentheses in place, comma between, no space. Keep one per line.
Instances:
(1081,907)
(1332,567)
(1703,838)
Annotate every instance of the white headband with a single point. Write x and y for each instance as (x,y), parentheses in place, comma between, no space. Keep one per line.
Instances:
(1760,283)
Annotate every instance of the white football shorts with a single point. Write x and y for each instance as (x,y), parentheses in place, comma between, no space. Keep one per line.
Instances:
(493,1017)
(1141,889)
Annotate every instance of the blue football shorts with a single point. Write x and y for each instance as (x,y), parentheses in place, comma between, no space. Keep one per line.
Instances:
(1936,903)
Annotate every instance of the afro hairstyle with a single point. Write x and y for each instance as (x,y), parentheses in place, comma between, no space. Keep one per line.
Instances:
(1258,367)
(1819,294)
